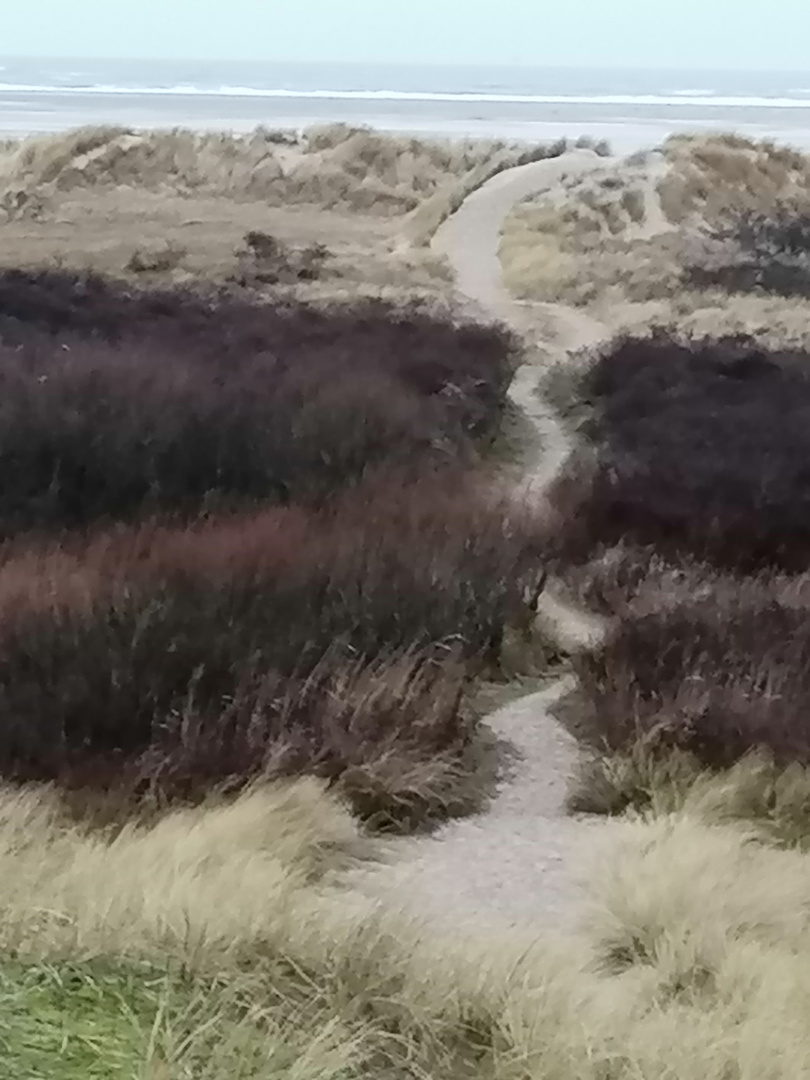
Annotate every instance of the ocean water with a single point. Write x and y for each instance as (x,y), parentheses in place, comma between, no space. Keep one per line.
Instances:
(631,108)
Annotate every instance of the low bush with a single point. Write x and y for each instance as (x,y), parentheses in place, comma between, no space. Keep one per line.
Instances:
(711,664)
(170,661)
(702,448)
(159,258)
(118,402)
(763,250)
(266,260)
(607,579)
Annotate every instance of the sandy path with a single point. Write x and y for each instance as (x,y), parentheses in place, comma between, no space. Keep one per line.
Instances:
(513,865)
(470,240)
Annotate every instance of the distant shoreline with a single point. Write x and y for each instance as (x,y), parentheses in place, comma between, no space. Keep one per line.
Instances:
(631,109)
(23,115)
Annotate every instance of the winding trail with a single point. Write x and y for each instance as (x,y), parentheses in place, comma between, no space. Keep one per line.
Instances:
(512,865)
(470,241)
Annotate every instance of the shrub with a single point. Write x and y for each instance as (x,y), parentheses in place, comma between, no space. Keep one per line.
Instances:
(266,260)
(601,147)
(335,642)
(608,578)
(702,448)
(120,402)
(717,668)
(753,249)
(157,258)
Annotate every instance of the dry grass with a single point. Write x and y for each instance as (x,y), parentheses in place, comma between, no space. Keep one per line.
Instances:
(591,219)
(710,175)
(701,669)
(757,792)
(710,928)
(693,963)
(222,941)
(338,166)
(618,241)
(102,228)
(706,179)
(113,200)
(616,274)
(772,322)
(157,664)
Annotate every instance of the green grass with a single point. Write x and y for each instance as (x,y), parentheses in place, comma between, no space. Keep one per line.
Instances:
(74,1021)
(109,1019)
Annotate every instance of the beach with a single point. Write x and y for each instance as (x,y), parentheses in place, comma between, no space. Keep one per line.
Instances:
(631,109)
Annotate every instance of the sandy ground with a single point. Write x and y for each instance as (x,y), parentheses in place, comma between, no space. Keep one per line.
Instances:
(516,865)
(101,229)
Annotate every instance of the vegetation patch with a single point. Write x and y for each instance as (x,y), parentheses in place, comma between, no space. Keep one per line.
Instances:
(70,1020)
(767,251)
(118,402)
(701,448)
(693,961)
(335,166)
(165,662)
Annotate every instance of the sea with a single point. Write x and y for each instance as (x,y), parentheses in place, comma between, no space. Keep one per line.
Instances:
(631,108)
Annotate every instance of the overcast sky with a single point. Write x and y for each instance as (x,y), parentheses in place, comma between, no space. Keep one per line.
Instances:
(761,34)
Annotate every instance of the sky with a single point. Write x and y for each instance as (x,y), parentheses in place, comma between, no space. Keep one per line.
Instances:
(735,34)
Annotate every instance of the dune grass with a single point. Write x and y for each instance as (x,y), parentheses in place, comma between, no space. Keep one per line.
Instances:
(573,245)
(692,961)
(168,206)
(659,237)
(143,983)
(336,165)
(227,939)
(711,174)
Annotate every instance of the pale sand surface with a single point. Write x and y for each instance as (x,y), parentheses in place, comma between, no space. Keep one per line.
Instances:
(518,863)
